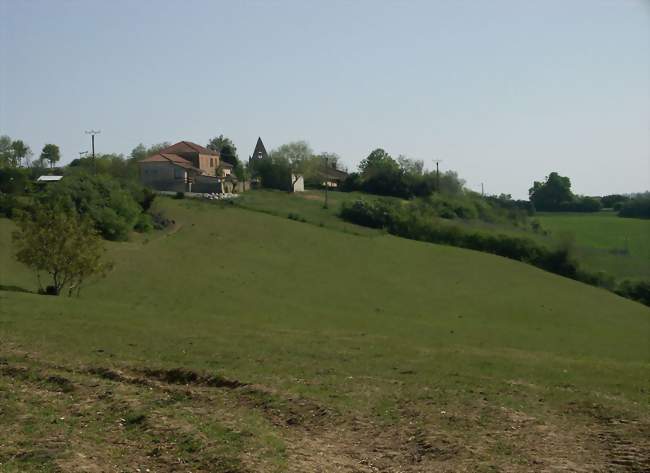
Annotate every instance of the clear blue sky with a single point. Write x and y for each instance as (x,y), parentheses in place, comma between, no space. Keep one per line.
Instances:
(502,91)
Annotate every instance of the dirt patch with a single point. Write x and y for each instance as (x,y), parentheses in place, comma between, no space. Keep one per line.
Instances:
(189,377)
(60,383)
(312,197)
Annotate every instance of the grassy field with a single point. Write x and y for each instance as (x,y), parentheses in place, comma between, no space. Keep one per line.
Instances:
(605,242)
(243,341)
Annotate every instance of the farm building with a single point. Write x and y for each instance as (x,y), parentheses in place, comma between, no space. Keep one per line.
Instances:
(185,167)
(332,177)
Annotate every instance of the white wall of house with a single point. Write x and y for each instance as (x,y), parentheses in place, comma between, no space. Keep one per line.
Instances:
(298,183)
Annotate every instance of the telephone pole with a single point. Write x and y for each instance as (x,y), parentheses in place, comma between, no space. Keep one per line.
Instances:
(437,161)
(92,134)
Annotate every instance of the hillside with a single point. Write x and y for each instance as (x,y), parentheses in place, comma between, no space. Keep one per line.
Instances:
(606,242)
(243,341)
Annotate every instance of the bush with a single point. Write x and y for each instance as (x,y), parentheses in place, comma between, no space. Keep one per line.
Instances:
(415,223)
(635,290)
(296,217)
(609,201)
(638,207)
(15,181)
(144,224)
(112,209)
(179,195)
(9,205)
(581,204)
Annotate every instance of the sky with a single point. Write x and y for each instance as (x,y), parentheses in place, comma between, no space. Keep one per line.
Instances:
(503,92)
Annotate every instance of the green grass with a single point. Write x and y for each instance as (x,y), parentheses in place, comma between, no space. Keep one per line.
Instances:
(307,206)
(367,325)
(605,242)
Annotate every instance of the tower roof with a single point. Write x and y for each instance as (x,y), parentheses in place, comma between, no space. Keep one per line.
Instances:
(260,151)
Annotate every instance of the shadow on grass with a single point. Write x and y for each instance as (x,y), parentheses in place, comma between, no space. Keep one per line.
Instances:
(15,289)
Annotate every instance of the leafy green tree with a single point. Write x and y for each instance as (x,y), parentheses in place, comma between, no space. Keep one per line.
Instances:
(6,153)
(60,244)
(51,154)
(21,152)
(226,149)
(13,152)
(141,151)
(551,193)
(378,162)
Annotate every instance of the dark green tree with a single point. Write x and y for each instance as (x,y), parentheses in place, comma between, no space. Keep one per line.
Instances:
(51,154)
(378,162)
(226,149)
(551,193)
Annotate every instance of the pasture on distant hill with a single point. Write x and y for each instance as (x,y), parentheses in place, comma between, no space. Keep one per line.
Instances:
(605,242)
(243,338)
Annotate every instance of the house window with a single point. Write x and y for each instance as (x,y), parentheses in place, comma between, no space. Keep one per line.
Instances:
(178,173)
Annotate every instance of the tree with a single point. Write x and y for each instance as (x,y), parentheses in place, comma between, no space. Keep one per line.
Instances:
(410,166)
(226,149)
(12,152)
(51,154)
(6,153)
(21,151)
(552,193)
(378,161)
(297,157)
(59,243)
(141,151)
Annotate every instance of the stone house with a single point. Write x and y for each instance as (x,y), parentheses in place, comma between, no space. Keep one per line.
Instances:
(183,167)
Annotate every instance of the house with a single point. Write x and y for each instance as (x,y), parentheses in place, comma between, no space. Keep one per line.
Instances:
(225,169)
(182,167)
(332,177)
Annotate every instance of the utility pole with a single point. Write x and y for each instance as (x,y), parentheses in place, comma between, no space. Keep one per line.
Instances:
(92,134)
(482,190)
(437,161)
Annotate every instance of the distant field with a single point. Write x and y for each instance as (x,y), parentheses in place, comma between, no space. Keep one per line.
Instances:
(620,246)
(240,341)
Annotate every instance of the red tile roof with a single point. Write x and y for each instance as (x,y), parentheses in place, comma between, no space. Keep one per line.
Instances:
(169,157)
(188,147)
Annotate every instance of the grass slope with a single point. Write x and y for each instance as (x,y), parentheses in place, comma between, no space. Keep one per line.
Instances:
(601,237)
(359,351)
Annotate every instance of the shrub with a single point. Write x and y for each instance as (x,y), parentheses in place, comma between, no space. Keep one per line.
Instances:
(15,181)
(638,207)
(635,290)
(112,209)
(144,223)
(296,217)
(8,205)
(179,195)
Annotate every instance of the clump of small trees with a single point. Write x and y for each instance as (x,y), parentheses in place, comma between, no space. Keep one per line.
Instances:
(60,245)
(554,194)
(381,174)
